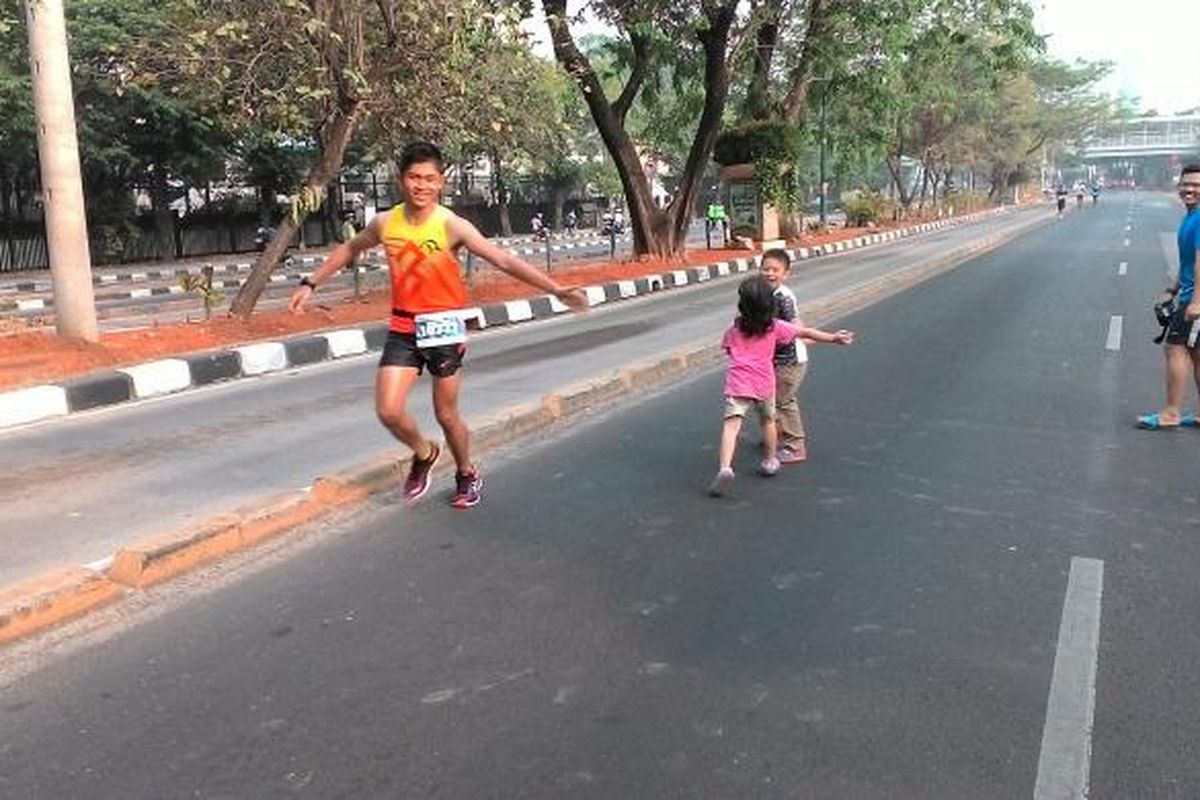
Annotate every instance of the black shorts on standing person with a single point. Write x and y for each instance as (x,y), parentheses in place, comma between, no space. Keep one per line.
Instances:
(1183,331)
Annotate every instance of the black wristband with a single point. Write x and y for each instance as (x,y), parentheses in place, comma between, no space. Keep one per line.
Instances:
(306,281)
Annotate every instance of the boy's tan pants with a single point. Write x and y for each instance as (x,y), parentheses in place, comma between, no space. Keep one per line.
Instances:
(788,378)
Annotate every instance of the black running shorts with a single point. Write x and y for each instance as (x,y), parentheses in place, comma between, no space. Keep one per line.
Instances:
(1183,331)
(401,350)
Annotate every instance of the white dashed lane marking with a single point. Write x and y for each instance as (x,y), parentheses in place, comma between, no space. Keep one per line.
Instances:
(1115,323)
(1065,760)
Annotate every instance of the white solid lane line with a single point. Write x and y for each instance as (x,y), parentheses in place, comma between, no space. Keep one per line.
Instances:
(1115,323)
(1123,268)
(1066,755)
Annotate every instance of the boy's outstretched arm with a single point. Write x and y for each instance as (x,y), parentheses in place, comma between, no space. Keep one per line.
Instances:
(469,237)
(818,336)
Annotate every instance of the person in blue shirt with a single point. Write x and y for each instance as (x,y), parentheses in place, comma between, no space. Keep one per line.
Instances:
(1182,344)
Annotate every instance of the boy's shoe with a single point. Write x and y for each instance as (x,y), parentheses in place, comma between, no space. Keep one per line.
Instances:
(417,482)
(468,489)
(722,483)
(788,455)
(768,467)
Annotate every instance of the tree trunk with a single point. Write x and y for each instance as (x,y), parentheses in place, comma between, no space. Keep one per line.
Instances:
(6,199)
(757,103)
(795,104)
(341,129)
(560,197)
(924,185)
(896,168)
(506,228)
(164,222)
(656,232)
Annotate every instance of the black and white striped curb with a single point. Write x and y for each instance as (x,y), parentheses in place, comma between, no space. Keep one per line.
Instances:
(32,305)
(174,375)
(370,262)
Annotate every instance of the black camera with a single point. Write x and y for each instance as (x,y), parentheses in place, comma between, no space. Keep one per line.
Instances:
(1163,311)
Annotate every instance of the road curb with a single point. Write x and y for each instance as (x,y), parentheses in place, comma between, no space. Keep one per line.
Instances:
(48,600)
(51,599)
(175,375)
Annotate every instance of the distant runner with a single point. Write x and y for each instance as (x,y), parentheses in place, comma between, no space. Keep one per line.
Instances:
(427,329)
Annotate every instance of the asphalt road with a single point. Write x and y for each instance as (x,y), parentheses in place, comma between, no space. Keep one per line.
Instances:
(75,489)
(881,622)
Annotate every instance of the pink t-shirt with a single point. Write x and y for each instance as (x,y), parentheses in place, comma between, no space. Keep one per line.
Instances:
(752,360)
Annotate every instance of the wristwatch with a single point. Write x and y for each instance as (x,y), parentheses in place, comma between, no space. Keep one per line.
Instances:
(306,281)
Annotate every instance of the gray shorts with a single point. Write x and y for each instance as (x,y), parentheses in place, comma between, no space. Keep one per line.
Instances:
(740,406)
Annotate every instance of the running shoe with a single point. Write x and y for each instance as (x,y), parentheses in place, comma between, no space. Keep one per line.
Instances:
(417,482)
(768,467)
(722,483)
(468,489)
(789,456)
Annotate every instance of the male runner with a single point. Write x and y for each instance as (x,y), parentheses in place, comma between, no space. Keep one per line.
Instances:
(1060,197)
(421,237)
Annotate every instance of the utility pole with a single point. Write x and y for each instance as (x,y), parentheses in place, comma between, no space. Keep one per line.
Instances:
(62,185)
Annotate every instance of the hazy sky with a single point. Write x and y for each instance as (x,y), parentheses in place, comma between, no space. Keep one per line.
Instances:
(1155,45)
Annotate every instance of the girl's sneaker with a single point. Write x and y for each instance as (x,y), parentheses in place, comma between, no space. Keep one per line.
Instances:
(768,467)
(468,489)
(722,483)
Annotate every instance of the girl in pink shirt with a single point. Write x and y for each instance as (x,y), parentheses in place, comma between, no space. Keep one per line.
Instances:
(750,383)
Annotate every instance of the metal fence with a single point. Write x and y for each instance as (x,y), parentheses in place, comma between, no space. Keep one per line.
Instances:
(148,237)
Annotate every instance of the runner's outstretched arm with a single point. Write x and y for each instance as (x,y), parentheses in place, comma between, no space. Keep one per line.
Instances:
(467,235)
(342,255)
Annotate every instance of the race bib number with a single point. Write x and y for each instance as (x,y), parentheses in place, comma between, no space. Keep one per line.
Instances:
(445,327)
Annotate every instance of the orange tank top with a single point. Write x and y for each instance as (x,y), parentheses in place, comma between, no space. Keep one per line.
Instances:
(425,274)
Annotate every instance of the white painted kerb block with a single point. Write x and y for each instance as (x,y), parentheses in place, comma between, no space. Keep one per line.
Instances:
(595,295)
(518,310)
(28,405)
(346,343)
(159,377)
(260,358)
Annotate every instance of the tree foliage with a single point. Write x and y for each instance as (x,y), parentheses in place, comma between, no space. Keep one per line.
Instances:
(317,70)
(130,135)
(658,38)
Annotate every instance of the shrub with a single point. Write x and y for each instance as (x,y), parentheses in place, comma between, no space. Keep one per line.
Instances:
(862,208)
(775,149)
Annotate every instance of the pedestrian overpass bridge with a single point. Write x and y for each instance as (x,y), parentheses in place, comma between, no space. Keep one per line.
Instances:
(1146,137)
